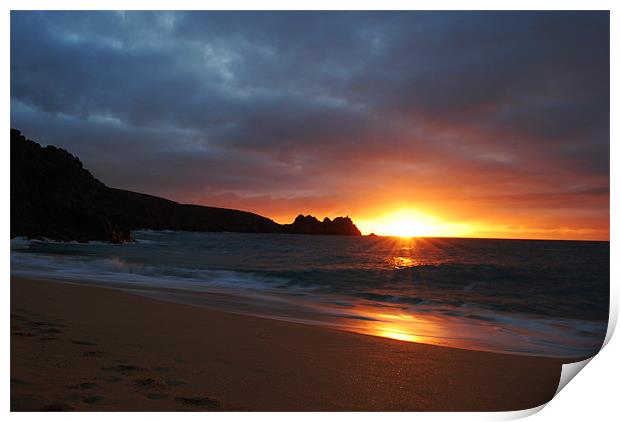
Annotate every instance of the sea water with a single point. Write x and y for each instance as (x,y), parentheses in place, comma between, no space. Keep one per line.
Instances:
(547,298)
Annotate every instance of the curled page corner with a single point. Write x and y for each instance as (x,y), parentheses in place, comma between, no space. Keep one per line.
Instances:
(517,414)
(569,370)
(611,324)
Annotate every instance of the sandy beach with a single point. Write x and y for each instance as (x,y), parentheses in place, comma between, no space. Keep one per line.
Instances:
(89,348)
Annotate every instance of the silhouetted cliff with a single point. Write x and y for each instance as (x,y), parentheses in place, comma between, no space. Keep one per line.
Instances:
(53,196)
(140,211)
(310,225)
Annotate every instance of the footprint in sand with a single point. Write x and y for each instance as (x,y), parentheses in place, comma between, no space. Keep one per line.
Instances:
(125,369)
(93,354)
(83,385)
(56,407)
(148,383)
(201,402)
(16,317)
(22,334)
(157,396)
(85,342)
(49,331)
(174,383)
(25,327)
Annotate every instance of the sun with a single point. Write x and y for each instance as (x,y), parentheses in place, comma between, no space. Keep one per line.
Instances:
(406,223)
(407,228)
(411,223)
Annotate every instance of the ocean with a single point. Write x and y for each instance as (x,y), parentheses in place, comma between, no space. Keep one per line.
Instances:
(547,298)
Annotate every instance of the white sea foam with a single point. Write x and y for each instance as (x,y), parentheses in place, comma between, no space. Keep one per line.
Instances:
(482,301)
(118,270)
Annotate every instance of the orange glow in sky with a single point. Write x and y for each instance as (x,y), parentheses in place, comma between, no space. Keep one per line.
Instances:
(386,213)
(412,223)
(401,146)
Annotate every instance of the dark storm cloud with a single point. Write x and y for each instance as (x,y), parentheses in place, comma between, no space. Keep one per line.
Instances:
(185,104)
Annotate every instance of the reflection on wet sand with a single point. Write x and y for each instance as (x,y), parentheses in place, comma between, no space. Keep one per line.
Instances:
(474,294)
(404,327)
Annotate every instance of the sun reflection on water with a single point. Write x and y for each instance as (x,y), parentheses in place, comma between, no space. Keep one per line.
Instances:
(403,254)
(404,262)
(400,320)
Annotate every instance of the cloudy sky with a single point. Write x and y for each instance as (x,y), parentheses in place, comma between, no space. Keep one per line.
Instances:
(494,124)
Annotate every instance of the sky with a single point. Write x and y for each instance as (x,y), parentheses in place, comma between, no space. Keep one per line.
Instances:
(475,124)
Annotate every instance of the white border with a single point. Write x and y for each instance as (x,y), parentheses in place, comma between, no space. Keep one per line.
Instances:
(592,395)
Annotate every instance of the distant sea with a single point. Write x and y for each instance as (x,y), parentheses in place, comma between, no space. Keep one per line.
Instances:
(547,298)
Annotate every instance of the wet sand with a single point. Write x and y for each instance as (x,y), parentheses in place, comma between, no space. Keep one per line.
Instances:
(89,348)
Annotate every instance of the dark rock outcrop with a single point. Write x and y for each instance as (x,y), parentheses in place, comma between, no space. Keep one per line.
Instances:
(53,196)
(310,225)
